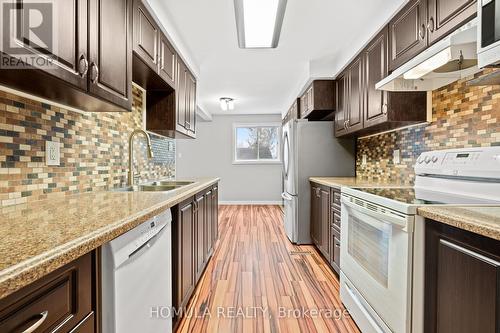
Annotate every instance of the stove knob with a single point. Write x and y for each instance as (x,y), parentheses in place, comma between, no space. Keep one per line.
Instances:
(427,159)
(434,159)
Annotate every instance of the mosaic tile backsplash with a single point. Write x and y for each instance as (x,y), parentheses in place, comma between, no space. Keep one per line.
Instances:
(462,116)
(94,149)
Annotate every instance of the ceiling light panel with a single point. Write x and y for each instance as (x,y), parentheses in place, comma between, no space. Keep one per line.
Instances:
(259,22)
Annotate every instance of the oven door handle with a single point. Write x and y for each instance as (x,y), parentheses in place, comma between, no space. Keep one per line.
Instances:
(388,218)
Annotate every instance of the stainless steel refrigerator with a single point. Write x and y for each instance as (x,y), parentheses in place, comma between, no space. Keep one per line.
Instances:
(310,149)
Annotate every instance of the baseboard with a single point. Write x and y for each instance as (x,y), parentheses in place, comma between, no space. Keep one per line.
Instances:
(250,202)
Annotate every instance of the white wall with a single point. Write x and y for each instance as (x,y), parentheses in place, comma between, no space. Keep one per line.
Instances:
(211,154)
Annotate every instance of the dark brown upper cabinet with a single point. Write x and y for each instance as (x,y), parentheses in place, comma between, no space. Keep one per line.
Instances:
(408,33)
(318,101)
(146,35)
(447,15)
(423,22)
(293,112)
(362,109)
(92,59)
(167,61)
(110,51)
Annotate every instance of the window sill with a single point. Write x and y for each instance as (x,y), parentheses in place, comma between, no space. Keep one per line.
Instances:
(256,162)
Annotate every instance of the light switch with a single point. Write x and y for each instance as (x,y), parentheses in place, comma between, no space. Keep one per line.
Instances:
(52,153)
(396,156)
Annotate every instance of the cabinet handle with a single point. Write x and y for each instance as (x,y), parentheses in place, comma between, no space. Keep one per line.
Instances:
(39,322)
(421,31)
(83,65)
(430,24)
(95,72)
(384,108)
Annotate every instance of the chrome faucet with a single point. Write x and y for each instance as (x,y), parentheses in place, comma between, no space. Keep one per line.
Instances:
(131,153)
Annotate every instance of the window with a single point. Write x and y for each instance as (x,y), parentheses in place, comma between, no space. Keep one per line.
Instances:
(257,143)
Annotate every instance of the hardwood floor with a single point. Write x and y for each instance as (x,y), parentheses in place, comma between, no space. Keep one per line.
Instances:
(257,281)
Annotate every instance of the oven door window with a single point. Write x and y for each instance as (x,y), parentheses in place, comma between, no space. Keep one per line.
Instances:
(368,244)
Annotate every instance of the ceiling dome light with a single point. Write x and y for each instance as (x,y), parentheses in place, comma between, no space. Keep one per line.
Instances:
(226,103)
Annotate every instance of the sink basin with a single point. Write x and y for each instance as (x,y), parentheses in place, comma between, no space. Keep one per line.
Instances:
(157,186)
(170,183)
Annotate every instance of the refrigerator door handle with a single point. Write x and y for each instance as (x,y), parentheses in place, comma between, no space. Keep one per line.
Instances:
(286,196)
(286,154)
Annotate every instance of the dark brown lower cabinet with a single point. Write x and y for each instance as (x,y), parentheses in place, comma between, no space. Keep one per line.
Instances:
(462,281)
(194,234)
(63,301)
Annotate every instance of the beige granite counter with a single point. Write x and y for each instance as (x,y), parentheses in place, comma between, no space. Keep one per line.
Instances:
(40,237)
(480,220)
(338,182)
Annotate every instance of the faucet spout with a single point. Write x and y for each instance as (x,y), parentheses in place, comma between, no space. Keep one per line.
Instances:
(131,152)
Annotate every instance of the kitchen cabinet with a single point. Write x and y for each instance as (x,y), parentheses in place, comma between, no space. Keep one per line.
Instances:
(173,113)
(423,22)
(462,281)
(194,235)
(320,218)
(293,112)
(63,301)
(146,35)
(335,222)
(92,63)
(408,33)
(362,109)
(167,62)
(447,15)
(318,101)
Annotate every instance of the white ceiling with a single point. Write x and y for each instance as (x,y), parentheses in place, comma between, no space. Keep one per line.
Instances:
(317,39)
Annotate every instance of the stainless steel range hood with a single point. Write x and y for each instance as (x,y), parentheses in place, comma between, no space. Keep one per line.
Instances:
(450,59)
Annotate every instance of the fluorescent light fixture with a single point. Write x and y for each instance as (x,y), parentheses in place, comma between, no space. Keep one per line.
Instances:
(434,62)
(226,103)
(259,22)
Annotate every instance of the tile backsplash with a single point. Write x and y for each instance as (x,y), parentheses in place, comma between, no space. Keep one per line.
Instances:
(462,116)
(94,149)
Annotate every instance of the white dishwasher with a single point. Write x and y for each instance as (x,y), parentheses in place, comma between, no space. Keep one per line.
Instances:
(137,279)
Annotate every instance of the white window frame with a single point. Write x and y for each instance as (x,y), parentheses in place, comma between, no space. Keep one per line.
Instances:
(246,125)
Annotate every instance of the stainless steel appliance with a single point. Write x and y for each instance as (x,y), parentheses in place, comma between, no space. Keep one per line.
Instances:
(382,237)
(488,33)
(137,279)
(310,149)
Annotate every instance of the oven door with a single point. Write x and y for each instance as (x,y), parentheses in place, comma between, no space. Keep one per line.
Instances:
(376,259)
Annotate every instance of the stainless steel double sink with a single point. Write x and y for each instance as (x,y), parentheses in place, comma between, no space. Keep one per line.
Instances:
(156,186)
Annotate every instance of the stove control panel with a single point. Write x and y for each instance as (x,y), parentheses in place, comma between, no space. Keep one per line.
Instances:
(482,162)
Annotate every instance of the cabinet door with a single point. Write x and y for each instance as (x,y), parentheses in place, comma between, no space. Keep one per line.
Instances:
(191,103)
(181,96)
(324,221)
(167,60)
(146,34)
(341,112)
(375,59)
(303,106)
(462,281)
(355,96)
(199,228)
(111,51)
(310,99)
(215,216)
(315,216)
(447,15)
(69,55)
(184,279)
(407,33)
(208,224)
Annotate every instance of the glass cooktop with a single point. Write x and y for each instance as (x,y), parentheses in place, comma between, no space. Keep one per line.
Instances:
(417,196)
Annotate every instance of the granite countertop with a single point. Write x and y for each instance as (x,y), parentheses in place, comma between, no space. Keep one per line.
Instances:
(38,238)
(483,220)
(338,182)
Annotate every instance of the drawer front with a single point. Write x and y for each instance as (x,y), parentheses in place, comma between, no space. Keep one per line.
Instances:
(336,220)
(63,299)
(336,232)
(336,198)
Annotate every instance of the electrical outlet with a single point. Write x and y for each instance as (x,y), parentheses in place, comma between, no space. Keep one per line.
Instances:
(396,156)
(52,153)
(364,160)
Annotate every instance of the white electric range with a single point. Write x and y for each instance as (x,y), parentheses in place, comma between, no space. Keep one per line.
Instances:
(382,237)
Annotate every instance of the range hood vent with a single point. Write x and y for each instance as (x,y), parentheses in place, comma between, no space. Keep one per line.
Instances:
(489,79)
(450,59)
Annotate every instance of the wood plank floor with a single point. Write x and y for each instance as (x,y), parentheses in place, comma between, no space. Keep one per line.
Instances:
(257,281)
